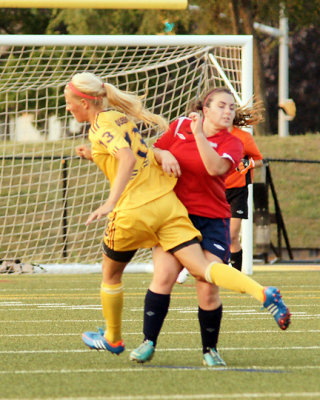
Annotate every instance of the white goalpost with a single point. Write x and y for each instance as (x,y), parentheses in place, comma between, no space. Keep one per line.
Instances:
(46,192)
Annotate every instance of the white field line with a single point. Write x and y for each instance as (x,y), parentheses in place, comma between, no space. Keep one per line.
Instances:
(209,396)
(293,289)
(183,310)
(229,318)
(9,303)
(286,348)
(144,369)
(99,321)
(53,305)
(166,333)
(27,306)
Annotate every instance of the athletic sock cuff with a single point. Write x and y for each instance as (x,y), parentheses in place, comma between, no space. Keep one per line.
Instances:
(207,274)
(112,289)
(157,296)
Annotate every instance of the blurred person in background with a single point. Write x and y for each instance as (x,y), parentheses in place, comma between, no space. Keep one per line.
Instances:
(237,190)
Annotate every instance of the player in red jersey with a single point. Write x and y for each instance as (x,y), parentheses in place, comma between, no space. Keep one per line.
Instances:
(201,152)
(237,191)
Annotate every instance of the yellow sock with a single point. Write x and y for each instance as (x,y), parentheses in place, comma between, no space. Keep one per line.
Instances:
(112,304)
(230,278)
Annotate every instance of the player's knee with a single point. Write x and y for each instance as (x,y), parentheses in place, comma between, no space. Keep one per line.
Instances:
(208,295)
(163,284)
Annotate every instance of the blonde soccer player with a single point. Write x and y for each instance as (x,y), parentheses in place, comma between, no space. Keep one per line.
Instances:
(142,209)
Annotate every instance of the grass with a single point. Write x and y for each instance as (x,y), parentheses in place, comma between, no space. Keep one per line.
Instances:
(43,357)
(296,185)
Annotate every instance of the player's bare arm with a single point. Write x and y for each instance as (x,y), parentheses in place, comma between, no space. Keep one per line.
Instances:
(127,162)
(215,165)
(168,162)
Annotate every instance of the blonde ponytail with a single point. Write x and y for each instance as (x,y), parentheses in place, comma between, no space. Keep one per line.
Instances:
(107,95)
(131,105)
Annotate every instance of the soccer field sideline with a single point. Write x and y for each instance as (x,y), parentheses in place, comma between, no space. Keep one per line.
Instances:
(77,268)
(287,267)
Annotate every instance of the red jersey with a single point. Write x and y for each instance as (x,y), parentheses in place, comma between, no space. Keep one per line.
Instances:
(201,193)
(235,179)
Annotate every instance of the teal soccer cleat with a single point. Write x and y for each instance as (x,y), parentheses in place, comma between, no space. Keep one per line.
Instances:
(144,352)
(95,340)
(274,303)
(213,359)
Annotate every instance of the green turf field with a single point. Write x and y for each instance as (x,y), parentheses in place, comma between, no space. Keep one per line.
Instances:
(42,355)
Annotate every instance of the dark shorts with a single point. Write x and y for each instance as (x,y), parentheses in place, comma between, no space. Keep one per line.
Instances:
(215,235)
(121,256)
(238,200)
(126,256)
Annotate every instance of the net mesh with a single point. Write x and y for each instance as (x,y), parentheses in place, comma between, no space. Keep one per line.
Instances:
(46,193)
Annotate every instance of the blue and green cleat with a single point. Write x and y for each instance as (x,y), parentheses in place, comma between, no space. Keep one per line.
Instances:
(274,303)
(213,359)
(96,341)
(144,352)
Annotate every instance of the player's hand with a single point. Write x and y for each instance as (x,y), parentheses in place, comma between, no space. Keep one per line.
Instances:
(84,151)
(170,164)
(100,212)
(245,165)
(196,123)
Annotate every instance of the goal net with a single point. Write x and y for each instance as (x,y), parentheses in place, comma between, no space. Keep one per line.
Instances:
(46,191)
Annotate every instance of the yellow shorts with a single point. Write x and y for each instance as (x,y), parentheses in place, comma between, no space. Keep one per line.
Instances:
(162,221)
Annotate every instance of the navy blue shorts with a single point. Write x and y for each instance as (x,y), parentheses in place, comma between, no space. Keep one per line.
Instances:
(215,235)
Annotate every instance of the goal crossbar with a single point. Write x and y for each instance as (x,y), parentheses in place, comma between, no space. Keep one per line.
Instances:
(128,40)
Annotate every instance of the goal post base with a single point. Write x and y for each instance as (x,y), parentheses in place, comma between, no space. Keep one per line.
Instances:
(77,268)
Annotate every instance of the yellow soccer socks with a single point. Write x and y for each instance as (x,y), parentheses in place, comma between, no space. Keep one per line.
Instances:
(112,305)
(228,277)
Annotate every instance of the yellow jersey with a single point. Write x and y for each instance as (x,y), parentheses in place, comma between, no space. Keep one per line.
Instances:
(113,130)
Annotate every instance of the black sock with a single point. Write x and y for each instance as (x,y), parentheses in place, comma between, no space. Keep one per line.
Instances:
(210,321)
(236,260)
(155,310)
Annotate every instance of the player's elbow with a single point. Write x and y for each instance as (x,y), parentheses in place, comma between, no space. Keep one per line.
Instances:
(216,169)
(213,171)
(219,167)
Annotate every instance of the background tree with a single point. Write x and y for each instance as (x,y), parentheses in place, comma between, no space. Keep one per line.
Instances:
(242,22)
(25,21)
(212,17)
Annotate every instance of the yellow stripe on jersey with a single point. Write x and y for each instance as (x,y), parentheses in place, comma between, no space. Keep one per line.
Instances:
(112,131)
